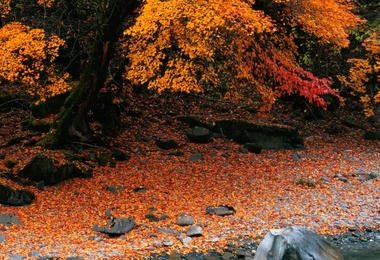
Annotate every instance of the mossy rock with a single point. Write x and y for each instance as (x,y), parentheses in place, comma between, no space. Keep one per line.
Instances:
(269,137)
(36,125)
(15,140)
(119,155)
(105,159)
(10,163)
(352,124)
(167,144)
(50,106)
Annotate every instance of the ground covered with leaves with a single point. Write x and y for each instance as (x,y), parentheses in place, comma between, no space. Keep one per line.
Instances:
(332,186)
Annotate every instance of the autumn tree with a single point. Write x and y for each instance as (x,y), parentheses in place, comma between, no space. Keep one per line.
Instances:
(243,49)
(363,76)
(239,47)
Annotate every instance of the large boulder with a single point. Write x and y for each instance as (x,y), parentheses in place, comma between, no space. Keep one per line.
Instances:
(295,243)
(42,168)
(12,197)
(269,137)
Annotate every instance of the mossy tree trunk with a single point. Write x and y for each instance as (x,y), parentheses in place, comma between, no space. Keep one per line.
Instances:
(71,123)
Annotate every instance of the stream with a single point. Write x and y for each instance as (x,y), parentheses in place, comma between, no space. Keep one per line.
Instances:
(362,254)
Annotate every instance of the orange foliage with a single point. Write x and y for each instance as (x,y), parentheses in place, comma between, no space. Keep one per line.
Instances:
(360,72)
(5,7)
(47,3)
(187,45)
(26,57)
(328,20)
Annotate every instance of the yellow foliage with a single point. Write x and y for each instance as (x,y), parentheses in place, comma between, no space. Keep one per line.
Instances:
(47,3)
(181,44)
(330,21)
(189,45)
(360,72)
(5,7)
(25,59)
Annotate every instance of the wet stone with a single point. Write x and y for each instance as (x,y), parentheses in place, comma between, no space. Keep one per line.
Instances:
(185,221)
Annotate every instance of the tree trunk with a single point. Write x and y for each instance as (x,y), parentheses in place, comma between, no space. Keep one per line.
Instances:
(71,123)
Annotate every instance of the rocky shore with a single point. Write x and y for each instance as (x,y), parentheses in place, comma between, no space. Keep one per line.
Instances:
(351,245)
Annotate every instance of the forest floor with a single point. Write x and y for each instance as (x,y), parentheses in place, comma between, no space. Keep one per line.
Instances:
(329,187)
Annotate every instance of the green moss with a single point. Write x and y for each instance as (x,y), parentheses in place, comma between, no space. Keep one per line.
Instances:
(10,163)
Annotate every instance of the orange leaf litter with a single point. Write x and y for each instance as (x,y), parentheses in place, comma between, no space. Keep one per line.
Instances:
(262,188)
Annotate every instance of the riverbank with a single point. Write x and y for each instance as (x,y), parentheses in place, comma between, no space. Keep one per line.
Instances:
(353,245)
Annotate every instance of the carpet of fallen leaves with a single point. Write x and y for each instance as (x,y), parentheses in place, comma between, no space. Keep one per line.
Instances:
(262,188)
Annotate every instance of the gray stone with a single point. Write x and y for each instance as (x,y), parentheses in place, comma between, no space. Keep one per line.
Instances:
(195,157)
(34,254)
(194,231)
(7,219)
(185,240)
(2,238)
(157,243)
(199,135)
(117,226)
(295,243)
(185,221)
(168,242)
(220,210)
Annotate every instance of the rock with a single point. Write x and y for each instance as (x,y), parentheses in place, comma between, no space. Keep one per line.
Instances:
(34,254)
(243,150)
(199,135)
(168,242)
(253,147)
(152,217)
(372,176)
(175,256)
(168,231)
(269,137)
(105,159)
(117,226)
(185,240)
(114,189)
(140,189)
(296,243)
(157,243)
(10,196)
(223,210)
(41,168)
(2,238)
(195,157)
(372,135)
(194,231)
(119,155)
(185,221)
(7,219)
(167,144)
(16,257)
(296,158)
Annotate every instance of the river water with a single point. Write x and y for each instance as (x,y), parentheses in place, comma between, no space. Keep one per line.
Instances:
(362,254)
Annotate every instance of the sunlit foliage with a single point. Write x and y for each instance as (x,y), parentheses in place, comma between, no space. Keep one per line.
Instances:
(26,57)
(5,7)
(188,45)
(362,70)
